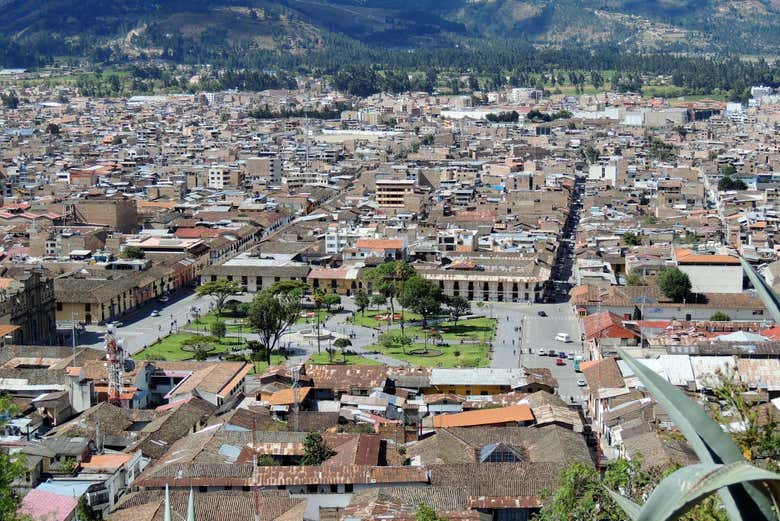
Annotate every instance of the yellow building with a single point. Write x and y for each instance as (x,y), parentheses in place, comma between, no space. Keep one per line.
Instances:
(343,281)
(98,295)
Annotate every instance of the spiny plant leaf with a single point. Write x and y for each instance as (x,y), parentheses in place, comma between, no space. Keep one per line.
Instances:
(708,441)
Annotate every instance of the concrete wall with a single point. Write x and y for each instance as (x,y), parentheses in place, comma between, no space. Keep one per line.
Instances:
(714,279)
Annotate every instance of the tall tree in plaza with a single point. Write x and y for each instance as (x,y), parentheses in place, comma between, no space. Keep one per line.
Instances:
(389,279)
(272,314)
(318,297)
(459,306)
(362,301)
(331,299)
(219,290)
(423,297)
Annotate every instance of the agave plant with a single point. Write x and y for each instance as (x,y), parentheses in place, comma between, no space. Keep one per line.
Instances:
(748,493)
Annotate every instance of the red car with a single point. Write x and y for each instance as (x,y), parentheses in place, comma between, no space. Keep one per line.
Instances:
(559,361)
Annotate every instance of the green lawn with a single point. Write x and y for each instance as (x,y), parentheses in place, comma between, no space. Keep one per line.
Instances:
(205,322)
(170,348)
(310,316)
(468,354)
(369,321)
(323,359)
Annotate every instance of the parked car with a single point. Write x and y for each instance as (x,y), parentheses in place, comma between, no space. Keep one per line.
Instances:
(164,298)
(562,354)
(116,324)
(559,361)
(155,313)
(581,382)
(552,352)
(563,337)
(542,314)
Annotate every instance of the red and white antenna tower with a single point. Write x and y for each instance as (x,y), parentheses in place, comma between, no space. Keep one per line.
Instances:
(115,356)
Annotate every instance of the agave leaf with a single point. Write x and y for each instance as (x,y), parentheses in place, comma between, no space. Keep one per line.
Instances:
(682,489)
(631,509)
(707,440)
(765,292)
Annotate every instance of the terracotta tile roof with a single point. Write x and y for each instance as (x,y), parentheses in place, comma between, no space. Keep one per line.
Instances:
(606,325)
(551,443)
(524,481)
(311,421)
(514,413)
(400,504)
(273,505)
(186,475)
(685,256)
(380,244)
(107,461)
(630,296)
(196,233)
(345,377)
(287,396)
(603,374)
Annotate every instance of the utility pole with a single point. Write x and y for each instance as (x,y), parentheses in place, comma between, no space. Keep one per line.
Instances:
(296,376)
(73,316)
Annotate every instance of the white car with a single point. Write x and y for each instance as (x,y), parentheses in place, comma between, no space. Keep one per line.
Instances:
(155,313)
(164,298)
(581,382)
(563,337)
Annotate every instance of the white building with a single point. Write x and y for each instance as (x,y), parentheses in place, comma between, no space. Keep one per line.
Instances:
(710,273)
(608,169)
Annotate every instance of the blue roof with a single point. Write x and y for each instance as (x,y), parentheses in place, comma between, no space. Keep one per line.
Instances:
(67,488)
(230,452)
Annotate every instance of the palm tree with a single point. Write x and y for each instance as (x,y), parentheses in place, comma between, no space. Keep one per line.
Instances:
(403,271)
(318,297)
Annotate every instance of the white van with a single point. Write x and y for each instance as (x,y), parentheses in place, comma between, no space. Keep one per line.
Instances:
(563,337)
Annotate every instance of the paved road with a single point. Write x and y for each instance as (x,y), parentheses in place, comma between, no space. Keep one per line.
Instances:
(538,333)
(140,329)
(510,347)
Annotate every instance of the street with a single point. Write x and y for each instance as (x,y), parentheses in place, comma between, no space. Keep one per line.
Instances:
(140,329)
(538,333)
(510,346)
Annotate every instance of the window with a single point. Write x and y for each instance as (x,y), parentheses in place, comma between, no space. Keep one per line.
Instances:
(59,306)
(87,307)
(758,311)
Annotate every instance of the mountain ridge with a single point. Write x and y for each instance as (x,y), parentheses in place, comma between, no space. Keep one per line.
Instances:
(210,30)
